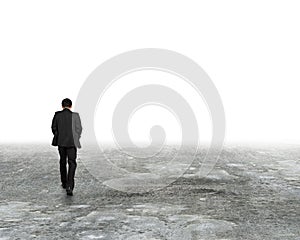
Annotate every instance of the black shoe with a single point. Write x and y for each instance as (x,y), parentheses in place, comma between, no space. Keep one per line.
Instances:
(64,186)
(69,191)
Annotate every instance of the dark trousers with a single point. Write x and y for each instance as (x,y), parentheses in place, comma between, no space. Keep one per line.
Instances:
(67,178)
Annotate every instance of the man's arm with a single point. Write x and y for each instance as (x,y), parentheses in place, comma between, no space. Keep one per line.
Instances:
(78,127)
(54,125)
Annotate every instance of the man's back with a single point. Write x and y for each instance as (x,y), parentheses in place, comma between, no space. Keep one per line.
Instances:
(66,127)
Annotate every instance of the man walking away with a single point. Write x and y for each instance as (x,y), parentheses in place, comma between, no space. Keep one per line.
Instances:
(66,127)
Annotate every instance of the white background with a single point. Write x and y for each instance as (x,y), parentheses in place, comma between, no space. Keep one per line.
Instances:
(250,49)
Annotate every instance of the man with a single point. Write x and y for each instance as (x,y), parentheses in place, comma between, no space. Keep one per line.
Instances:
(66,127)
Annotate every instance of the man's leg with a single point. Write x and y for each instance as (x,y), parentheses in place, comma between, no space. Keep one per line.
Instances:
(72,155)
(63,165)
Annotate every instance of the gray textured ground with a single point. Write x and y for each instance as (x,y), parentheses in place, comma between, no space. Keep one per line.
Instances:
(253,193)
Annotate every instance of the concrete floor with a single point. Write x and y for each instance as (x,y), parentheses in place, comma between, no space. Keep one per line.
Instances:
(252,193)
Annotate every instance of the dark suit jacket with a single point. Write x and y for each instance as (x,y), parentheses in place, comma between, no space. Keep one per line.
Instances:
(66,127)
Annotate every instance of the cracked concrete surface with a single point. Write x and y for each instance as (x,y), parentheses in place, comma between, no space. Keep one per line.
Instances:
(252,193)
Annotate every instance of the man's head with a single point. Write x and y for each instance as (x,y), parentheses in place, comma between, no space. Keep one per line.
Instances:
(66,103)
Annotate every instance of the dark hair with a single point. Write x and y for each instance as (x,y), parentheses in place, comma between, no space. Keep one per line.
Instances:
(66,102)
